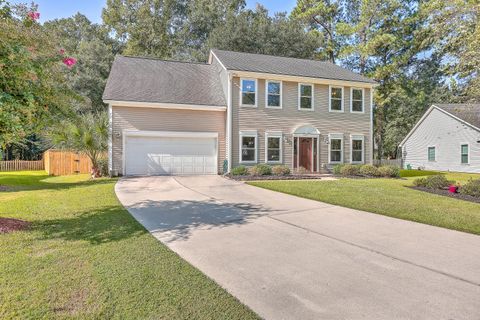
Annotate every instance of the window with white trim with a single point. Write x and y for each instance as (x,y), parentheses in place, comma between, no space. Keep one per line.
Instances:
(431,153)
(336,99)
(273,147)
(357,149)
(335,149)
(248,147)
(464,153)
(356,102)
(274,94)
(248,90)
(305,96)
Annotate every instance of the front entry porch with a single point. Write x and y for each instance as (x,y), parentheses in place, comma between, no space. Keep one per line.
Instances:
(306,146)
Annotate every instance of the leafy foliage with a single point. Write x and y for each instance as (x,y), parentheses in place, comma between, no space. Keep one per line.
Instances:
(349,170)
(260,169)
(389,171)
(472,188)
(438,181)
(281,170)
(240,171)
(369,170)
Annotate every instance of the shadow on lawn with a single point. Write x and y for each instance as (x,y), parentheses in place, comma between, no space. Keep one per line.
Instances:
(97,226)
(176,219)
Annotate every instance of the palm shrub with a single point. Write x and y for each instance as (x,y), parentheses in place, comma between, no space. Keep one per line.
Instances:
(369,170)
(260,170)
(471,188)
(240,171)
(349,170)
(87,134)
(337,169)
(281,170)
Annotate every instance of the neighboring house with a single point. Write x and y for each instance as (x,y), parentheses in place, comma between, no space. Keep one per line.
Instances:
(172,117)
(446,138)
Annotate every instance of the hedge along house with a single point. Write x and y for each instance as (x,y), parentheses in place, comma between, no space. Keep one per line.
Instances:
(446,138)
(169,117)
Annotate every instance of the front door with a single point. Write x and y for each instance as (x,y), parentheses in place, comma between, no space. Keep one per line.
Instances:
(305,153)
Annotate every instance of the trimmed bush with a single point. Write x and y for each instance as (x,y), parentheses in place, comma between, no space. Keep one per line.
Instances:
(280,170)
(103,167)
(260,170)
(337,169)
(349,170)
(472,188)
(369,170)
(433,182)
(302,170)
(389,171)
(240,171)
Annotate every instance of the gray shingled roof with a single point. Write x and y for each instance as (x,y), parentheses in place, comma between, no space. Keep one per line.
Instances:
(153,80)
(467,112)
(240,61)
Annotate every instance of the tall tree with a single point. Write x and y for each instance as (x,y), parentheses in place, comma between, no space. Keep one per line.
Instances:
(255,31)
(322,17)
(145,27)
(94,50)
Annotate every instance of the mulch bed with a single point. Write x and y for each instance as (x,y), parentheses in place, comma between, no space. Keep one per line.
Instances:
(446,193)
(8,225)
(4,188)
(272,177)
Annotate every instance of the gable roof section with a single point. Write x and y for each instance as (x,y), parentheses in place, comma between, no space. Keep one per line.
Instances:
(468,114)
(150,80)
(252,62)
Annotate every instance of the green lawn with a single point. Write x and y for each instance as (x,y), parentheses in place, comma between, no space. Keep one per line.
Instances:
(389,197)
(86,257)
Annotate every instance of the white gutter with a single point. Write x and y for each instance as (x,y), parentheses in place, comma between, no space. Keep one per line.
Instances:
(139,104)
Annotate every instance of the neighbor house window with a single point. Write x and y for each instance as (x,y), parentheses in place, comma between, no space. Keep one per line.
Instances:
(305,96)
(464,153)
(273,147)
(335,149)
(274,94)
(357,149)
(356,102)
(248,147)
(336,99)
(431,153)
(248,88)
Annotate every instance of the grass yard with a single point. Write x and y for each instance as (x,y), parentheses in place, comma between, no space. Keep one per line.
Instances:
(86,257)
(389,197)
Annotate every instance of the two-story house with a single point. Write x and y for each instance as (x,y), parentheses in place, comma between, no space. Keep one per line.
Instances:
(171,117)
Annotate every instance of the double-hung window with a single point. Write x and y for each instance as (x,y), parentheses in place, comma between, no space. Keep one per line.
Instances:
(305,96)
(356,100)
(273,147)
(335,148)
(357,148)
(431,153)
(274,94)
(464,153)
(248,92)
(248,147)
(336,99)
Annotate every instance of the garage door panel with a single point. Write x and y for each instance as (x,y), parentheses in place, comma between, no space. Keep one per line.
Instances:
(170,155)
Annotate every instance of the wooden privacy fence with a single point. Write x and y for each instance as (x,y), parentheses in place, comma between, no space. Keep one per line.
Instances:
(58,162)
(389,162)
(19,165)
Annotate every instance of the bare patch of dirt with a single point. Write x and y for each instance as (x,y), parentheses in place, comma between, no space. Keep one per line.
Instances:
(9,224)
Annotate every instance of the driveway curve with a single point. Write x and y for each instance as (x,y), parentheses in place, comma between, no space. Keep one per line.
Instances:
(292,258)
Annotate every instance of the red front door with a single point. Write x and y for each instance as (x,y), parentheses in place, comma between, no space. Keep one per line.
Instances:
(305,153)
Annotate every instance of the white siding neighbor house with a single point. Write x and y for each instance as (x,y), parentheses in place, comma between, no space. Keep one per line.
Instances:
(446,138)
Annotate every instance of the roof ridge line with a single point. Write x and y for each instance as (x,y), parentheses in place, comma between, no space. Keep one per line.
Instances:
(160,59)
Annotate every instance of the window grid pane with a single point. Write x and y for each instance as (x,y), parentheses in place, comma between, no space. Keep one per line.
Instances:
(248,148)
(335,150)
(305,96)
(273,149)
(357,150)
(336,99)
(464,153)
(248,92)
(431,153)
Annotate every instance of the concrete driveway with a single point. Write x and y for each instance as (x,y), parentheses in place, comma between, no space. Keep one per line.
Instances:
(292,258)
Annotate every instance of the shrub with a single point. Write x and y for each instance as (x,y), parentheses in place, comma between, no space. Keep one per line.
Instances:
(280,170)
(389,171)
(337,169)
(103,167)
(369,170)
(433,182)
(472,188)
(349,170)
(240,171)
(302,170)
(260,170)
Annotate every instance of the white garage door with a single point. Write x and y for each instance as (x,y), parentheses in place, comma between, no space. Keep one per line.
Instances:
(157,155)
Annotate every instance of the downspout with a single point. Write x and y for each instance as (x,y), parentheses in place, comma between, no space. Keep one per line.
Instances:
(229,123)
(372,143)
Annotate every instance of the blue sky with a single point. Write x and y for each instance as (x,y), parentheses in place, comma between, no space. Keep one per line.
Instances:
(51,9)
